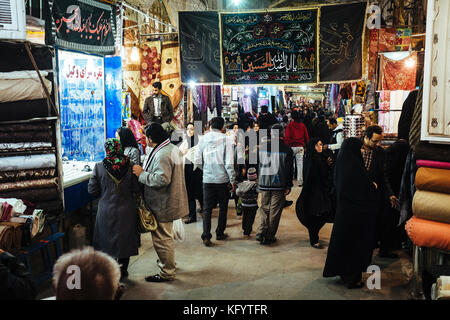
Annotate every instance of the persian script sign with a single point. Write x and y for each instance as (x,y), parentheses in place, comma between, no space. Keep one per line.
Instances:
(200,47)
(84,25)
(269,47)
(341,33)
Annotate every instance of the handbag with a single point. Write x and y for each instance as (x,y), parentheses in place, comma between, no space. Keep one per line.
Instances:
(146,218)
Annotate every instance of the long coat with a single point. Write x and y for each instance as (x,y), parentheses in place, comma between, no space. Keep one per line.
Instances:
(115,230)
(165,188)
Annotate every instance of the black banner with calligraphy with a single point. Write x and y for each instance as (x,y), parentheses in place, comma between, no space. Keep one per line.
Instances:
(200,47)
(84,25)
(341,39)
(269,47)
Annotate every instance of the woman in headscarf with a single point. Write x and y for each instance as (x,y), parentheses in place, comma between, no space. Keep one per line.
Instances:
(113,181)
(354,231)
(192,174)
(129,145)
(314,203)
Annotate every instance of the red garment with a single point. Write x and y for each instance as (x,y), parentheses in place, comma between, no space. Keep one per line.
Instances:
(136,127)
(296,134)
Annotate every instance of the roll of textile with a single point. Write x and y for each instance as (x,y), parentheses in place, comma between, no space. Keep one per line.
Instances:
(32,174)
(6,237)
(50,206)
(432,206)
(433,164)
(23,110)
(14,57)
(23,89)
(26,136)
(28,184)
(40,126)
(28,162)
(18,229)
(34,195)
(428,234)
(434,152)
(17,75)
(432,179)
(21,146)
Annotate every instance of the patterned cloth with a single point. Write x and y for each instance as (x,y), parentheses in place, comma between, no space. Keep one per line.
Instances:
(115,162)
(398,75)
(367,157)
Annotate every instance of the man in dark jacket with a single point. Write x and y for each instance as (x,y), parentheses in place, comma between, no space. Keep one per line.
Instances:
(266,119)
(375,161)
(15,280)
(275,182)
(158,107)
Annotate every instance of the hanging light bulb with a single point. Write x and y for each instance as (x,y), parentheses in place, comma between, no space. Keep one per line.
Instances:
(135,54)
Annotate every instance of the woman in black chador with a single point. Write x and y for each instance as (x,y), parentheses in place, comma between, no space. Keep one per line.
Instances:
(354,232)
(314,204)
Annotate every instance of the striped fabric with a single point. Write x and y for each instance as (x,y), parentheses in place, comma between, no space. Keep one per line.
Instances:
(416,124)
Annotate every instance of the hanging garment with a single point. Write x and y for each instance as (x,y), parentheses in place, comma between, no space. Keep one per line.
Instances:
(416,125)
(398,75)
(407,187)
(170,72)
(150,67)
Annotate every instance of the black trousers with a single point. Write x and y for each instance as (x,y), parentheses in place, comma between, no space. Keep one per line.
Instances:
(212,194)
(193,208)
(248,218)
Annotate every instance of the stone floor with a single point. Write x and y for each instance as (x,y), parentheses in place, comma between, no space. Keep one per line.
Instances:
(242,269)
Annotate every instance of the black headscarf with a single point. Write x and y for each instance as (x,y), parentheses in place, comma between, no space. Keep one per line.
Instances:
(354,231)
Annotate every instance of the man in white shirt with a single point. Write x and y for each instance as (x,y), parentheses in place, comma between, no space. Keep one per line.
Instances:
(337,136)
(158,107)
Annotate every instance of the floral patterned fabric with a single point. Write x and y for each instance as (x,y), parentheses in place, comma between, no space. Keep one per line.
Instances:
(115,162)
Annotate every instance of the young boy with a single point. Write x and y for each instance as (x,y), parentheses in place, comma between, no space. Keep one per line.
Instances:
(248,191)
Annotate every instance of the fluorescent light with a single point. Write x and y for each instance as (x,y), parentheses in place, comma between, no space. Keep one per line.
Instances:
(192,84)
(248,91)
(236,2)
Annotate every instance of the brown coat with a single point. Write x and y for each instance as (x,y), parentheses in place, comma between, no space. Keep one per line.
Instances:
(166,109)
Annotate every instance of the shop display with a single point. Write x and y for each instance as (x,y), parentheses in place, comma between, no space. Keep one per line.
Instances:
(113,95)
(353,126)
(82,105)
(269,47)
(341,56)
(200,43)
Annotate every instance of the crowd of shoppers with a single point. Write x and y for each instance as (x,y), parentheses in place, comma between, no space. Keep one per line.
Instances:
(351,182)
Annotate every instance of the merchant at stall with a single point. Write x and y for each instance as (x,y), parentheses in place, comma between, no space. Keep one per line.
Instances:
(158,107)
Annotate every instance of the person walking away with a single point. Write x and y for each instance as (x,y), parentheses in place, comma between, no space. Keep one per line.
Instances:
(276,168)
(248,191)
(165,195)
(115,231)
(129,145)
(214,156)
(297,137)
(354,230)
(266,119)
(192,174)
(314,204)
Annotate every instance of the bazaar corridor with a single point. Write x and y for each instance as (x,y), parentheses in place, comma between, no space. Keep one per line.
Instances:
(241,269)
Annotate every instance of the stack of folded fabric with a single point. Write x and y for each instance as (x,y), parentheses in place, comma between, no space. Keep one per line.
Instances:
(430,225)
(23,221)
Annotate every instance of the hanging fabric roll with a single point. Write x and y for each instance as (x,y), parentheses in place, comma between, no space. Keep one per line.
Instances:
(19,175)
(28,162)
(30,184)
